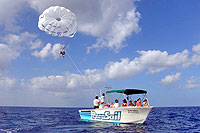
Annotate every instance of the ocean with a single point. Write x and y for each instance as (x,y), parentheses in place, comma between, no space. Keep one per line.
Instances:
(42,119)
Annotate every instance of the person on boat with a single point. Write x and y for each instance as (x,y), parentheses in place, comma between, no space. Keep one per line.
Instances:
(139,104)
(135,103)
(102,98)
(116,103)
(130,103)
(127,98)
(96,102)
(145,103)
(124,104)
(112,105)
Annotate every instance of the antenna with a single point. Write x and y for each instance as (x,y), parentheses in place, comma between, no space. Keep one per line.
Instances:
(108,88)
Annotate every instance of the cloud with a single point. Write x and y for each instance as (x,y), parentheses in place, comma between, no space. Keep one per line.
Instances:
(196,56)
(6,82)
(12,45)
(196,48)
(95,76)
(169,79)
(192,82)
(123,69)
(67,86)
(113,70)
(120,29)
(22,41)
(9,11)
(48,51)
(106,20)
(6,56)
(155,60)
(44,52)
(152,60)
(37,43)
(68,82)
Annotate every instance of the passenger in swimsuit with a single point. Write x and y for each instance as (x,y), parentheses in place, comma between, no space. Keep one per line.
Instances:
(145,103)
(139,104)
(124,104)
(130,103)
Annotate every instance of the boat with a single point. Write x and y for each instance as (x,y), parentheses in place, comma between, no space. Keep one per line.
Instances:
(129,114)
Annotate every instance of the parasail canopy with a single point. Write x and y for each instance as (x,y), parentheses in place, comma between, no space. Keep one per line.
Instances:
(58,21)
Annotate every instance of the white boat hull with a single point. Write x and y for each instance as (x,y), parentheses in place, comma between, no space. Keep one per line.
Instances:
(120,115)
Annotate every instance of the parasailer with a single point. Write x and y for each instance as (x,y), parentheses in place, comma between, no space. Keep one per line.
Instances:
(62,51)
(58,21)
(61,22)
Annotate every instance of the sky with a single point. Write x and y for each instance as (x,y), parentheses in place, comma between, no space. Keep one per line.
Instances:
(148,44)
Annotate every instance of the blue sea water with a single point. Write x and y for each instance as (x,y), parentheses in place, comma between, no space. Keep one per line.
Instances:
(36,119)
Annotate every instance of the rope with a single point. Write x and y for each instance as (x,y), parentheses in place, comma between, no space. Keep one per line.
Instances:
(62,41)
(81,74)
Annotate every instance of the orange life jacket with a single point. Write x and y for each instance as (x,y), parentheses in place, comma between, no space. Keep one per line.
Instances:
(124,104)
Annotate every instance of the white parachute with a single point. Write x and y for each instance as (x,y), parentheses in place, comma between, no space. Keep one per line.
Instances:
(61,22)
(58,21)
